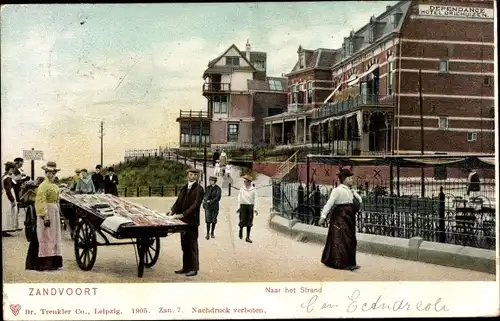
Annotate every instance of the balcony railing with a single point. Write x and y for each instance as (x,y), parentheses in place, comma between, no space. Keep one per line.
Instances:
(193,114)
(298,107)
(214,87)
(351,104)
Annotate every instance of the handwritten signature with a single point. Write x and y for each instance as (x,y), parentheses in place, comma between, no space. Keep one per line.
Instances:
(355,304)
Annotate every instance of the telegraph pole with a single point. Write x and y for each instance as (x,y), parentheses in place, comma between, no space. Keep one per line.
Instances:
(422,175)
(101,136)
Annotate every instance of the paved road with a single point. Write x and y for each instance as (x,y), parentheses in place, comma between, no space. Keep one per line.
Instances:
(272,257)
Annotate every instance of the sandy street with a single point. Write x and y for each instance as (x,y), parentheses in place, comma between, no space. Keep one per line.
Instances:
(272,257)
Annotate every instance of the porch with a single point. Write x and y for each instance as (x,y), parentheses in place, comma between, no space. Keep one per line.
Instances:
(287,128)
(366,131)
(194,128)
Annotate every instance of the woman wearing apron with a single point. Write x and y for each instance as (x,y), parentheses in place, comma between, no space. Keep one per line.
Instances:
(45,251)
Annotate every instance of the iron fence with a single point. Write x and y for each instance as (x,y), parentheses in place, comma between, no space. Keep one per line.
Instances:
(444,218)
(148,191)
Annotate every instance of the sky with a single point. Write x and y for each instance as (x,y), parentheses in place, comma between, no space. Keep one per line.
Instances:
(67,67)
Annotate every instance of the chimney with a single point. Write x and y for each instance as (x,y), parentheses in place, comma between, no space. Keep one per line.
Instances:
(247,49)
(387,8)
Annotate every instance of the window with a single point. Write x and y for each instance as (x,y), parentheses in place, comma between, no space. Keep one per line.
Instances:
(309,92)
(259,65)
(232,132)
(471,137)
(443,123)
(390,80)
(443,66)
(350,47)
(232,61)
(220,104)
(274,111)
(302,59)
(371,33)
(275,85)
(295,94)
(487,81)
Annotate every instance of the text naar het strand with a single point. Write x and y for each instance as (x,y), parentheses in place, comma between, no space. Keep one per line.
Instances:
(355,302)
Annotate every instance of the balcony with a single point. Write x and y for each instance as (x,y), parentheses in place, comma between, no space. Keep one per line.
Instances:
(216,87)
(193,115)
(298,107)
(352,104)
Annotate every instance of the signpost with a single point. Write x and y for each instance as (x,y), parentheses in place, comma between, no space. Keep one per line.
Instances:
(32,155)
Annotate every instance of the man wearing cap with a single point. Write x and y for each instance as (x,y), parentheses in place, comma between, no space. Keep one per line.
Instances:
(187,209)
(211,205)
(341,209)
(247,201)
(9,204)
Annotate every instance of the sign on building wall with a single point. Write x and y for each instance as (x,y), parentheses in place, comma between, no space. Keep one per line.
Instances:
(455,12)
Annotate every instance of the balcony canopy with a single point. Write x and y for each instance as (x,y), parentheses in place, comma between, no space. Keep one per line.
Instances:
(358,78)
(418,161)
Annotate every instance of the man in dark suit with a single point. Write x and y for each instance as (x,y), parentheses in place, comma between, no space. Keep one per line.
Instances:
(211,205)
(98,180)
(111,182)
(187,209)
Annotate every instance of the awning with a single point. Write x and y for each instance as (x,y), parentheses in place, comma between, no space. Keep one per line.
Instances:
(369,71)
(333,93)
(487,160)
(351,79)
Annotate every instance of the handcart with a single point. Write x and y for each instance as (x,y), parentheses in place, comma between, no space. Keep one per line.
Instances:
(94,219)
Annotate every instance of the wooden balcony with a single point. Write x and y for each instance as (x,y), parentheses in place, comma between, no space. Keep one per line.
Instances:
(193,115)
(352,104)
(216,88)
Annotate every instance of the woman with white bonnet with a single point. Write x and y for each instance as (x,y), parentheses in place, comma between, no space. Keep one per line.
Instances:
(47,254)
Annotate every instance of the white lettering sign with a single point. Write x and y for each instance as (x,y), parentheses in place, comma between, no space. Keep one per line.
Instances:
(457,12)
(32,154)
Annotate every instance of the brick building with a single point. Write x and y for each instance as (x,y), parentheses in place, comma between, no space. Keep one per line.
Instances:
(309,83)
(239,94)
(374,106)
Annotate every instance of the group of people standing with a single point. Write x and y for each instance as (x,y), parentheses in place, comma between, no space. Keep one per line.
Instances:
(84,183)
(187,208)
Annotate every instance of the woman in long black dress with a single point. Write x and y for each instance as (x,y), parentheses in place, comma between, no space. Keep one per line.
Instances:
(342,206)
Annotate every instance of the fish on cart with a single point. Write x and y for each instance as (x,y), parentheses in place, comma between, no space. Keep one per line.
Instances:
(101,214)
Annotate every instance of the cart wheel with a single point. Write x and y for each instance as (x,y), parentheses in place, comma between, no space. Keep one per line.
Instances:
(141,251)
(85,245)
(152,252)
(30,223)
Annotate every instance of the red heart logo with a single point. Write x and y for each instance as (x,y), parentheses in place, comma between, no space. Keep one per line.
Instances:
(15,308)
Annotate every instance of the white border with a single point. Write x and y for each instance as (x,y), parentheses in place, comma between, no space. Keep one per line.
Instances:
(460,298)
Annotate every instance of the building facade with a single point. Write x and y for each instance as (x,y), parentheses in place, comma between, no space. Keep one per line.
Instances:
(239,94)
(393,68)
(309,84)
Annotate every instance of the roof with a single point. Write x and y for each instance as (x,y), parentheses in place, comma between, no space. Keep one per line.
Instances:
(382,25)
(287,115)
(211,63)
(319,58)
(263,85)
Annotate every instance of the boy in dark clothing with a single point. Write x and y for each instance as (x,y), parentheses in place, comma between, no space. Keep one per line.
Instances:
(211,205)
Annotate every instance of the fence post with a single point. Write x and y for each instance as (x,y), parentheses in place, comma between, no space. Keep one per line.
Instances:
(138,191)
(194,163)
(317,202)
(442,227)
(149,192)
(205,167)
(229,189)
(125,192)
(162,191)
(175,190)
(300,199)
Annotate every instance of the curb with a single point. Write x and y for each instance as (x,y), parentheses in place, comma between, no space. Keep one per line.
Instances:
(414,249)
